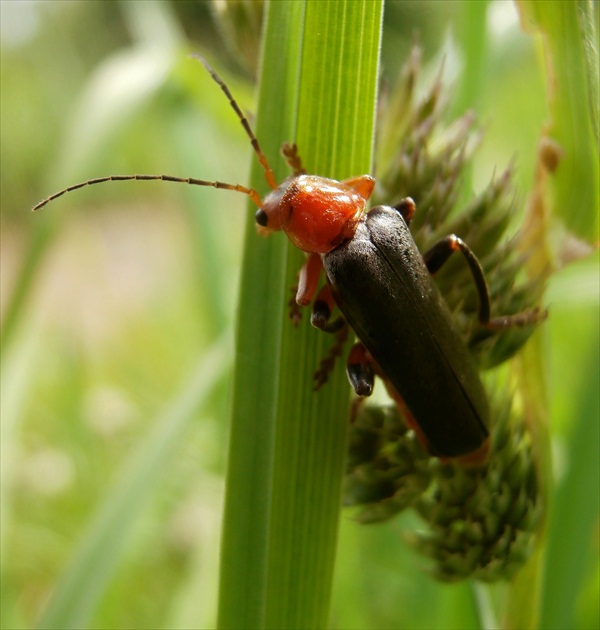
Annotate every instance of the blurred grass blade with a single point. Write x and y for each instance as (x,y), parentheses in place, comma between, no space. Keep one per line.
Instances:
(320,59)
(472,32)
(571,50)
(15,391)
(108,535)
(574,517)
(116,93)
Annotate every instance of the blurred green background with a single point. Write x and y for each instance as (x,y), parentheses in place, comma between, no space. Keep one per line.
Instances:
(113,296)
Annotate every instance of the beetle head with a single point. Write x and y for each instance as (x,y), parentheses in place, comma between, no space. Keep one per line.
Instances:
(316,213)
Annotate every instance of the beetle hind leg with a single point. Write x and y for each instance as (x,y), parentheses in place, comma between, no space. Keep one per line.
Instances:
(435,257)
(526,318)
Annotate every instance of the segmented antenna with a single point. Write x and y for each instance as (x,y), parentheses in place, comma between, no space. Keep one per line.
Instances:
(165,178)
(269,175)
(253,194)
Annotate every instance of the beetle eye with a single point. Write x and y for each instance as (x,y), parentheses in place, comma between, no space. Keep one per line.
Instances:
(261,218)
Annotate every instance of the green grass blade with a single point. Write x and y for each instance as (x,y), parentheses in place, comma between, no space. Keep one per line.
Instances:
(473,36)
(287,443)
(108,535)
(243,574)
(335,138)
(96,118)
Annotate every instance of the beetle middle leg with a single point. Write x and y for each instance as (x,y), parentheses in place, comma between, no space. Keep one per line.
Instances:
(406,207)
(435,257)
(323,304)
(327,362)
(321,318)
(359,368)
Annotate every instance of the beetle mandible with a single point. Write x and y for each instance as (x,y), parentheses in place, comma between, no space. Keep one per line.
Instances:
(383,288)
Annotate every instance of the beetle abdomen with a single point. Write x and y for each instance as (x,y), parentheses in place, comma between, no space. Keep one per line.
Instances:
(384,290)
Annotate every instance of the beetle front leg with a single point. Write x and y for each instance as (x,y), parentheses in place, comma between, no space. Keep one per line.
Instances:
(304,291)
(289,151)
(323,304)
(308,280)
(435,257)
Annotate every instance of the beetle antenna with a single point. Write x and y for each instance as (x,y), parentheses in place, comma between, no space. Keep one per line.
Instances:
(269,175)
(251,192)
(165,178)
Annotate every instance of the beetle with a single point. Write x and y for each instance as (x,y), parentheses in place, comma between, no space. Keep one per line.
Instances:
(383,288)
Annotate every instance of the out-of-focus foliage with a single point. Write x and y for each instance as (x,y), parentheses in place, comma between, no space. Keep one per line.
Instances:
(127,286)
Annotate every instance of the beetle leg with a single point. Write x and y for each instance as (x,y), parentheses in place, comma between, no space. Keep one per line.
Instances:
(518,319)
(289,151)
(355,408)
(406,207)
(308,280)
(294,312)
(327,363)
(439,254)
(322,309)
(436,256)
(363,185)
(360,370)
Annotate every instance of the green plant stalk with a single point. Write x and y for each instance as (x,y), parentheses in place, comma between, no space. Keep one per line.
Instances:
(575,512)
(544,593)
(287,442)
(570,42)
(472,34)
(521,604)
